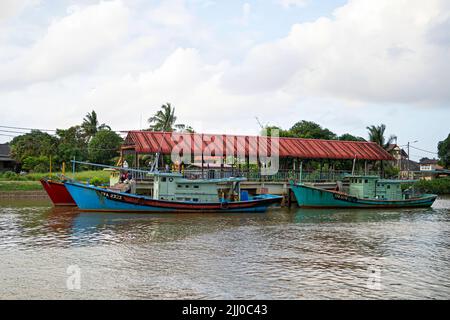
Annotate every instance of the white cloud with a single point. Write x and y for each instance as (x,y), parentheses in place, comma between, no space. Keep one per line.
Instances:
(368,51)
(124,65)
(10,8)
(171,13)
(292,3)
(71,44)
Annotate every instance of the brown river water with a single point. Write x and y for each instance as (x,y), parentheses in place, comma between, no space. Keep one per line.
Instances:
(60,253)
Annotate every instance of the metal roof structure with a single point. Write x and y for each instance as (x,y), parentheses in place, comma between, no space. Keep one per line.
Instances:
(244,146)
(5,152)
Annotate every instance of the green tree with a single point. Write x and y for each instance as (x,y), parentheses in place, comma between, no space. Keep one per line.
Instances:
(350,137)
(72,143)
(36,164)
(165,119)
(33,144)
(104,146)
(281,132)
(376,134)
(90,125)
(310,130)
(444,151)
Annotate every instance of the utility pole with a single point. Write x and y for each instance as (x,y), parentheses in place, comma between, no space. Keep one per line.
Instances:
(407,164)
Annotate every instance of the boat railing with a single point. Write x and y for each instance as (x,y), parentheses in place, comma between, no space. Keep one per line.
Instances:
(282,175)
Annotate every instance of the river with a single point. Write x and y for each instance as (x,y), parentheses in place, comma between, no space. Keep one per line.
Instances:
(53,253)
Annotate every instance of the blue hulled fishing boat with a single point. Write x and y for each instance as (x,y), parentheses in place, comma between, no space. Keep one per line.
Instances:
(173,193)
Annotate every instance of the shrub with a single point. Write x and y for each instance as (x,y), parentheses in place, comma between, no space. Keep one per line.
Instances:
(437,186)
(9,175)
(96,181)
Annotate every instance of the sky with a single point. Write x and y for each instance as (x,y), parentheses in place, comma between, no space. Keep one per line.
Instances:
(222,64)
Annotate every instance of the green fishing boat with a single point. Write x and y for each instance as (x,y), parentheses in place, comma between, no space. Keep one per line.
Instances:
(361,192)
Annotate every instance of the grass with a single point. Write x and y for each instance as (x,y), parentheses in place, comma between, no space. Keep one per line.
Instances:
(10,181)
(20,186)
(81,176)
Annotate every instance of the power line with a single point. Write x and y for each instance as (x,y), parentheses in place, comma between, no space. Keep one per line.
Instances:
(423,150)
(10,131)
(50,130)
(21,128)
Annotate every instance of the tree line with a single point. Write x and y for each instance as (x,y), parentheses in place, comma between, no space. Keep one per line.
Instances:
(97,143)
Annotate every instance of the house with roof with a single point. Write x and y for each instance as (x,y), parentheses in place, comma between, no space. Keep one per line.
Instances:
(406,166)
(6,162)
(430,169)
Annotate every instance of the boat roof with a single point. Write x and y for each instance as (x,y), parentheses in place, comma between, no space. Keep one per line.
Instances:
(396,181)
(362,176)
(185,180)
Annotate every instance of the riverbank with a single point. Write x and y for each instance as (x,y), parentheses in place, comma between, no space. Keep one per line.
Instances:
(436,186)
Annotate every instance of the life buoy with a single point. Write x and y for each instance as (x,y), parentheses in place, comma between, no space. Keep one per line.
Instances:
(224,205)
(170,179)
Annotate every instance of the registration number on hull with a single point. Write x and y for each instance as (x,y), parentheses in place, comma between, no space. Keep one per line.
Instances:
(344,197)
(112,196)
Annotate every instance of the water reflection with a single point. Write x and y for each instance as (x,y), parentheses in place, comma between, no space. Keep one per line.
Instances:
(289,254)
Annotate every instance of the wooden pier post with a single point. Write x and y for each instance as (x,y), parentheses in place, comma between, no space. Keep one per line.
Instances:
(289,204)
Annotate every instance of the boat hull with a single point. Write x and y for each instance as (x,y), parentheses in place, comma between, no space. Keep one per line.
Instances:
(312,197)
(58,193)
(90,198)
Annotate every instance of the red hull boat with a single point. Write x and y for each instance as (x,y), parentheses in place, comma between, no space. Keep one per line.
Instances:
(58,193)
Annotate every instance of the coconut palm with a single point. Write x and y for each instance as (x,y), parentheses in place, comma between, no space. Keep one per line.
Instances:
(376,134)
(164,120)
(90,125)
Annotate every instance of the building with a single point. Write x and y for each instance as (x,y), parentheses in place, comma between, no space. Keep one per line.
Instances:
(430,169)
(406,167)
(429,164)
(6,162)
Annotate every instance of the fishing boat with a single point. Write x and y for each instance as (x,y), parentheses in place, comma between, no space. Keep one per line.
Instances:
(173,193)
(57,192)
(362,192)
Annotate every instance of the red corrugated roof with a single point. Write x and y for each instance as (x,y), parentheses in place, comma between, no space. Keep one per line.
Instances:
(151,142)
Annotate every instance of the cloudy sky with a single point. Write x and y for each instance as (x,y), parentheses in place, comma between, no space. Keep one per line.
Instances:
(343,64)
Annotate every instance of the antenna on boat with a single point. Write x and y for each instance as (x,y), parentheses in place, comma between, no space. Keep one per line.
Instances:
(354,164)
(155,163)
(259,122)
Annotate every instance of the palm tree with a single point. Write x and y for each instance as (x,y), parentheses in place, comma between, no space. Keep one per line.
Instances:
(90,125)
(376,134)
(164,120)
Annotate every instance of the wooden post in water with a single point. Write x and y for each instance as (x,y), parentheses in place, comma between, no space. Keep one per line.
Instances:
(289,195)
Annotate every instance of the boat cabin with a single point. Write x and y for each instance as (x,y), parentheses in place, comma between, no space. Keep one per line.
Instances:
(372,187)
(174,187)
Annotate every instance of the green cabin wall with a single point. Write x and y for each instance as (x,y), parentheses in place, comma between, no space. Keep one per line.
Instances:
(371,187)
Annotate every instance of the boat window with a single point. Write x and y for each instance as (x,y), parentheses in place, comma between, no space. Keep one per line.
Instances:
(179,186)
(187,186)
(388,186)
(359,181)
(196,187)
(195,199)
(366,181)
(163,179)
(188,199)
